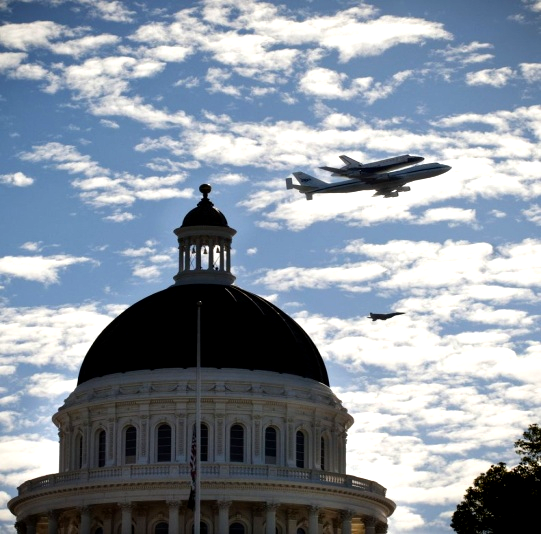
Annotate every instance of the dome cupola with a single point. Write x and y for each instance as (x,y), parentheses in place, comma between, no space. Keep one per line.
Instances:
(204,244)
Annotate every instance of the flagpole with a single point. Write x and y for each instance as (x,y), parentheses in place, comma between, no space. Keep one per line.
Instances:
(197,511)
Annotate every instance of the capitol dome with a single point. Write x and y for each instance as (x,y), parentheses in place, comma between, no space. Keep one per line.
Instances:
(202,408)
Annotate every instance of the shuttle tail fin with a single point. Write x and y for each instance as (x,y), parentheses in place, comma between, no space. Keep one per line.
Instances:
(350,162)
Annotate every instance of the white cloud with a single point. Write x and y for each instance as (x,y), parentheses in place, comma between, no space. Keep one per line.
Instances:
(84,45)
(25,36)
(493,77)
(43,269)
(30,456)
(50,336)
(531,71)
(17,179)
(11,60)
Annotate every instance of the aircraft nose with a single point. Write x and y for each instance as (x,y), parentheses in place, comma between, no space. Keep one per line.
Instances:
(446,168)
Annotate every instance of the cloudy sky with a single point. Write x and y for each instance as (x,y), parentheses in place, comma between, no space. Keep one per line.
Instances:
(114,112)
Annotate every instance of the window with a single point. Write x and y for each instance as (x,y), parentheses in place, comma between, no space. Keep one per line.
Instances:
(322,454)
(101,448)
(164,443)
(301,531)
(270,445)
(236,444)
(236,528)
(204,457)
(299,449)
(203,528)
(130,445)
(79,450)
(161,528)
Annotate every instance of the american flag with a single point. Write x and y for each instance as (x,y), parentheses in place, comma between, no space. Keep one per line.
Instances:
(193,471)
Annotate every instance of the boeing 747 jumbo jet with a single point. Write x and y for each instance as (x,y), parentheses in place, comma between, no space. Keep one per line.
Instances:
(382,176)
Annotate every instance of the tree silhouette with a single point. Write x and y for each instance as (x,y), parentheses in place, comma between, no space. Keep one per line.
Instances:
(505,500)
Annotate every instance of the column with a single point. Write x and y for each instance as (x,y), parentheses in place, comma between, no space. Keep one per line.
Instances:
(31,523)
(257,519)
(107,521)
(223,516)
(346,517)
(126,508)
(313,520)
(52,524)
(84,525)
(270,517)
(173,516)
(369,524)
(182,520)
(291,521)
(139,517)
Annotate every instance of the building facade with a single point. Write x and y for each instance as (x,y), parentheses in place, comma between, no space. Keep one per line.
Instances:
(272,434)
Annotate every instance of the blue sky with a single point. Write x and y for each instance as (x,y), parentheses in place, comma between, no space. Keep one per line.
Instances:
(113,113)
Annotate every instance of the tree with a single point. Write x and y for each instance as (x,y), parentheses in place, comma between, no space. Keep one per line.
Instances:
(505,500)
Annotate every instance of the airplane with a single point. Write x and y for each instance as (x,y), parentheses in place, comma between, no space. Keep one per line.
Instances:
(383,316)
(356,169)
(386,184)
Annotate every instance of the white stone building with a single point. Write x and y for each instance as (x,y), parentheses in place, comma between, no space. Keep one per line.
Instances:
(272,435)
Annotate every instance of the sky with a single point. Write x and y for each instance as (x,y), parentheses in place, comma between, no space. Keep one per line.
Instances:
(113,113)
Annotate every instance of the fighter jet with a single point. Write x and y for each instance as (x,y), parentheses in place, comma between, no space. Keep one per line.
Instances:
(386,184)
(383,316)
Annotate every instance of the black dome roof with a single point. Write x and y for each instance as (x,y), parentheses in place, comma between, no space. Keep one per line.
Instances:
(205,214)
(238,329)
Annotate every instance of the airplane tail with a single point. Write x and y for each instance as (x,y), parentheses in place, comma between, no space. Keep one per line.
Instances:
(307,184)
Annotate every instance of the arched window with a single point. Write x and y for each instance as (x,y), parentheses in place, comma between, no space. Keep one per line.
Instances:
(236,444)
(161,528)
(203,528)
(164,443)
(99,530)
(299,449)
(301,531)
(130,445)
(322,454)
(236,528)
(79,450)
(101,448)
(270,445)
